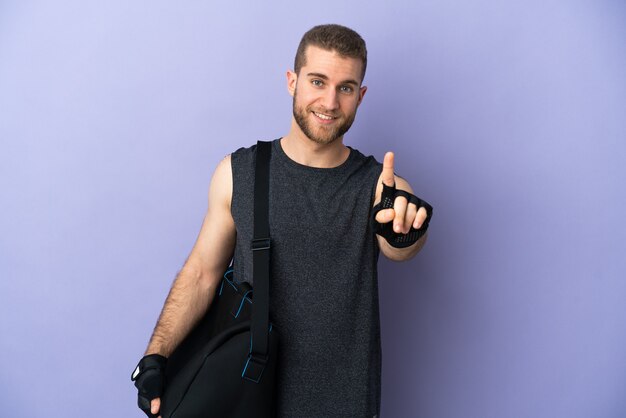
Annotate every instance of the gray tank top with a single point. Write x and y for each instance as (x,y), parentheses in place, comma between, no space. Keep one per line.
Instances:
(324,284)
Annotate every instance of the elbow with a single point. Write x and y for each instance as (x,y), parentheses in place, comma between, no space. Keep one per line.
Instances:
(198,277)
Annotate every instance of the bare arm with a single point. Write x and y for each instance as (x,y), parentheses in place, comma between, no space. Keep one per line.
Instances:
(193,290)
(405,215)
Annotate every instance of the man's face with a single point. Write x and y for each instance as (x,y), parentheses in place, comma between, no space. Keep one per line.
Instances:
(326,94)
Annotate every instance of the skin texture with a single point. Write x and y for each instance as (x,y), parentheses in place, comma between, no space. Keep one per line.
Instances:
(328,84)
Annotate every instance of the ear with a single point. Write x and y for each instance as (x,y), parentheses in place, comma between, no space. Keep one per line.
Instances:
(362,91)
(292,79)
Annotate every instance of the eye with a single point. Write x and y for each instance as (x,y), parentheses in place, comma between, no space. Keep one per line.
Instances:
(346,89)
(317,83)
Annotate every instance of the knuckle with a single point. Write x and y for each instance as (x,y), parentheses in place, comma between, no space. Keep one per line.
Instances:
(400,207)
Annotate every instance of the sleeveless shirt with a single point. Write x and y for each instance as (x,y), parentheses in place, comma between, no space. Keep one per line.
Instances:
(324,283)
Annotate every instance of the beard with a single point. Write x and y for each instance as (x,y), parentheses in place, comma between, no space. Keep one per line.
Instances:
(316,132)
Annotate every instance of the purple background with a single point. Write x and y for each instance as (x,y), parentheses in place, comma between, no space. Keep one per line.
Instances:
(507,116)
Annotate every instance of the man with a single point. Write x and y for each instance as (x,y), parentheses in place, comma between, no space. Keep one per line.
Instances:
(327,229)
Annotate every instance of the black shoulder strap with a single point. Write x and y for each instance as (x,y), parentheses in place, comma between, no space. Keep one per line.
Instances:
(261,254)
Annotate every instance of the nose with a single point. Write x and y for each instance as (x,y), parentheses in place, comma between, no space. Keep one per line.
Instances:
(330,99)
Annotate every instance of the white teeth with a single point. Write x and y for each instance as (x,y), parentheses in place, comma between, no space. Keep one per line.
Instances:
(321,116)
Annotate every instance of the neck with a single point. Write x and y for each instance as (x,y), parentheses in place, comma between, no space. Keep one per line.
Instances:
(304,151)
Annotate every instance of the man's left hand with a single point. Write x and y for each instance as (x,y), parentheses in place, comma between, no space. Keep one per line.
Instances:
(404,214)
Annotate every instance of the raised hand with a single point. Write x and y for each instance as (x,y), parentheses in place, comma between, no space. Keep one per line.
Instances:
(398,205)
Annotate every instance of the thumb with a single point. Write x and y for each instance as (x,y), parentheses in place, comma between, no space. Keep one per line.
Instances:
(155,405)
(387,175)
(385,215)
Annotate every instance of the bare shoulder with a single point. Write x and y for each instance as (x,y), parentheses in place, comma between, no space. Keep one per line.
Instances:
(221,188)
(215,244)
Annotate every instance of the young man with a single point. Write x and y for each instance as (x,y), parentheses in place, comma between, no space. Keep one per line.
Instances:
(327,229)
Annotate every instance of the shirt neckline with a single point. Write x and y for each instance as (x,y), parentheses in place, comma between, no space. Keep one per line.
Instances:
(283,157)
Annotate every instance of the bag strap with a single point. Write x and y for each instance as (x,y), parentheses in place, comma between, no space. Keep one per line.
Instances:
(259,347)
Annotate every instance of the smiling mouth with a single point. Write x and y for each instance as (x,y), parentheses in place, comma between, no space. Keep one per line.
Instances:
(324,117)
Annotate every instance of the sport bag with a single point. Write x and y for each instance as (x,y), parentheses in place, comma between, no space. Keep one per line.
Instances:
(226,366)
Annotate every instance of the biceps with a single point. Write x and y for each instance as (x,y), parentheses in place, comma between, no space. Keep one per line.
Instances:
(216,240)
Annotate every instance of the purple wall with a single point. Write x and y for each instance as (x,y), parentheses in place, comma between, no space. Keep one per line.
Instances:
(509,118)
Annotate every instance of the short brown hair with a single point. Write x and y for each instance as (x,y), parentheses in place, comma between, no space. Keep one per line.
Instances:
(343,40)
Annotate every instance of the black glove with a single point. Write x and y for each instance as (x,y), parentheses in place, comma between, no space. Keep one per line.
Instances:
(149,378)
(386,231)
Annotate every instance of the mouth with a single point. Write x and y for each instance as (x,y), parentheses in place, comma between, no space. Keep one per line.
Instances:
(324,118)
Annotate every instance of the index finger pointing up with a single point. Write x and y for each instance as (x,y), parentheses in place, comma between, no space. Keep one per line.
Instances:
(387,175)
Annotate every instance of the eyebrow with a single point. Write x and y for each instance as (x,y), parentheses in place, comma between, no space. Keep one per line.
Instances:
(324,77)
